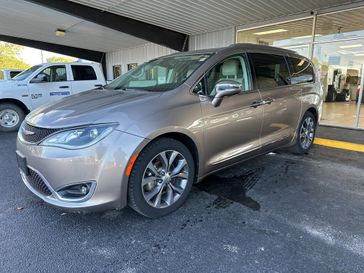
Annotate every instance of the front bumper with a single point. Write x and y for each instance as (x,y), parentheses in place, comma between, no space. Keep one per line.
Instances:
(103,165)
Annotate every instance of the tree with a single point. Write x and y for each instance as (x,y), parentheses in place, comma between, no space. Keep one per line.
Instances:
(60,59)
(9,57)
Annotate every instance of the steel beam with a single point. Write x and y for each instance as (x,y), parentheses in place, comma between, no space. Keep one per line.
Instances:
(152,33)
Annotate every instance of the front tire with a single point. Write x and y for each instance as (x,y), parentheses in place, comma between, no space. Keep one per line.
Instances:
(11,117)
(161,178)
(305,134)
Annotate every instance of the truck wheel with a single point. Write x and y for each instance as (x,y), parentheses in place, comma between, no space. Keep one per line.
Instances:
(161,178)
(305,134)
(11,116)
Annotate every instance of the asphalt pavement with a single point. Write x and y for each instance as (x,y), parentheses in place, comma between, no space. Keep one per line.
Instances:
(275,213)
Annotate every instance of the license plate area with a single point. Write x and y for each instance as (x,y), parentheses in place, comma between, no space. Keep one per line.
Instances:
(22,163)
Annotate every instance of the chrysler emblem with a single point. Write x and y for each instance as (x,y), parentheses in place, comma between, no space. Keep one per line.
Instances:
(27,132)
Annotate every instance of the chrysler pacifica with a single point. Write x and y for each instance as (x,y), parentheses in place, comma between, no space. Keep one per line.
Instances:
(145,138)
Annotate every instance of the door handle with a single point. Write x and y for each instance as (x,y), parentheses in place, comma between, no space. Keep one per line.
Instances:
(255,104)
(98,85)
(64,87)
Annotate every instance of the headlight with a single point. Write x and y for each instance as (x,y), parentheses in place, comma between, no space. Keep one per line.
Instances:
(79,138)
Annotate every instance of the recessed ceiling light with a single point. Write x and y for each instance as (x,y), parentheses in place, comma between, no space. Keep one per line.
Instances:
(351,46)
(306,36)
(60,32)
(296,46)
(271,31)
(359,54)
(344,52)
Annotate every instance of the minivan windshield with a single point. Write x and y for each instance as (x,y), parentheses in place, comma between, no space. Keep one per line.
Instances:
(162,74)
(25,74)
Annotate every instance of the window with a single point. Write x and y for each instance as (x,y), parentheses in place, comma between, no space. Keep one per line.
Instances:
(83,73)
(301,70)
(132,66)
(234,68)
(56,73)
(270,70)
(14,73)
(116,71)
(162,74)
(25,74)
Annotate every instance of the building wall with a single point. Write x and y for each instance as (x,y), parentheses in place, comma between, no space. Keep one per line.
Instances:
(214,39)
(148,51)
(139,55)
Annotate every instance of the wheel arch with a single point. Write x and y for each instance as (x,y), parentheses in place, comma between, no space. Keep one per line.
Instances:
(17,103)
(313,111)
(184,137)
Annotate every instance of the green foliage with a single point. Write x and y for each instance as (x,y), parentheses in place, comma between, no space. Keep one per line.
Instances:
(9,57)
(60,59)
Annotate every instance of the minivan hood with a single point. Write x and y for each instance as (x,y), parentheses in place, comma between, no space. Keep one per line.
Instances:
(95,106)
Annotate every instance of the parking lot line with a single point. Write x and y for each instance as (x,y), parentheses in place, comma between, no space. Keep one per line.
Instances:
(340,144)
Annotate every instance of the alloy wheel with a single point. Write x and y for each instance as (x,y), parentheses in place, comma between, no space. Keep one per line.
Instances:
(165,179)
(307,133)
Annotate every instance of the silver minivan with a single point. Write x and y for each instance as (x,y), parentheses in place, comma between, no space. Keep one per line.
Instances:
(145,138)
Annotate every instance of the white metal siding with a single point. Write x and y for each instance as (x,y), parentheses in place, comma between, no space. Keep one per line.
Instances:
(138,54)
(200,16)
(146,52)
(214,39)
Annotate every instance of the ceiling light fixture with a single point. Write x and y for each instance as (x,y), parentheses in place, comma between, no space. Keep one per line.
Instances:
(271,31)
(351,46)
(306,36)
(60,32)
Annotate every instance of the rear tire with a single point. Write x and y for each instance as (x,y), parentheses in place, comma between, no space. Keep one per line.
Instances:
(305,134)
(161,178)
(11,117)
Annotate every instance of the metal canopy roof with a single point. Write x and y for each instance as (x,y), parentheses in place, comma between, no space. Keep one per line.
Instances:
(26,20)
(198,16)
(31,21)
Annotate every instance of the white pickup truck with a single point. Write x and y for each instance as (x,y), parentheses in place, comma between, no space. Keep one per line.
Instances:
(41,84)
(8,74)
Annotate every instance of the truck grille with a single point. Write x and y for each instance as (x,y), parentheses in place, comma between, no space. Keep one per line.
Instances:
(34,134)
(37,183)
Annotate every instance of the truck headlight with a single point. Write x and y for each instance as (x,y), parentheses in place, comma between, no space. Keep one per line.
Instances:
(79,138)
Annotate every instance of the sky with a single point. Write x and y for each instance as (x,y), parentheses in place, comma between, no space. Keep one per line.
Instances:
(33,56)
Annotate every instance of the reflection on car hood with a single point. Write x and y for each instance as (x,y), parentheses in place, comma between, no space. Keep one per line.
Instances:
(95,106)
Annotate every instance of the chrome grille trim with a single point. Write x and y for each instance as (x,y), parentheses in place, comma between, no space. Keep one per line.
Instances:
(32,134)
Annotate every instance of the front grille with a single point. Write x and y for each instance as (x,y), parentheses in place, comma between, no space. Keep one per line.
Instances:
(34,134)
(37,183)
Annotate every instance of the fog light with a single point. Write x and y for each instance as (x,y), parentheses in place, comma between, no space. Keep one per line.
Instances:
(84,190)
(75,192)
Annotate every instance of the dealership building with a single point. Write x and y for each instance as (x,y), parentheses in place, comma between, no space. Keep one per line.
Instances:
(123,34)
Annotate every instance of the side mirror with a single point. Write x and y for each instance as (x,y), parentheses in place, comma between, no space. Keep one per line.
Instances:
(41,77)
(224,89)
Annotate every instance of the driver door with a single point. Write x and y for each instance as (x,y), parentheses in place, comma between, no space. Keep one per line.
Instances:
(49,85)
(232,129)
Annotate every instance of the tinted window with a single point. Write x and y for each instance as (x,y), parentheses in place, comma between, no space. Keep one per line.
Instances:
(235,68)
(14,73)
(55,73)
(270,70)
(301,70)
(83,73)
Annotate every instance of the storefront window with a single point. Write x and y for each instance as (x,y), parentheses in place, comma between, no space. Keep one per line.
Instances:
(296,35)
(338,53)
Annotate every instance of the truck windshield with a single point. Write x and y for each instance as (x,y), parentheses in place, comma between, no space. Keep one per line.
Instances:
(162,74)
(25,74)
